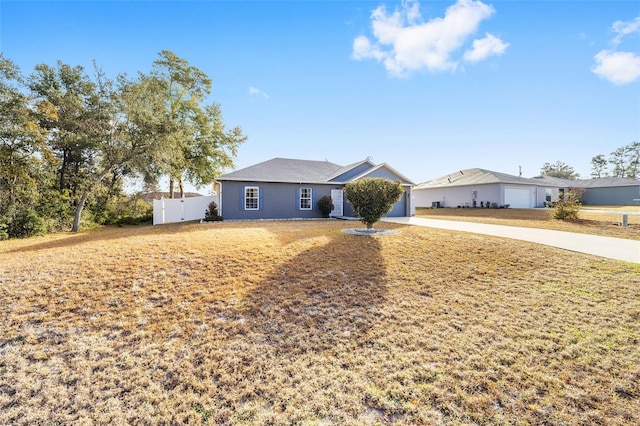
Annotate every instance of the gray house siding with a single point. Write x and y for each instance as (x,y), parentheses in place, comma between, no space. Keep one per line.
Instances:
(281,201)
(356,171)
(399,209)
(276,184)
(276,200)
(383,173)
(612,196)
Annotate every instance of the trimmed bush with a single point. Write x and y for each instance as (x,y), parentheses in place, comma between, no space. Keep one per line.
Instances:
(325,205)
(372,198)
(211,214)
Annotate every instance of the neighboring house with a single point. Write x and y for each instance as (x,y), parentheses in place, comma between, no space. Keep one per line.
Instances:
(479,187)
(606,191)
(284,188)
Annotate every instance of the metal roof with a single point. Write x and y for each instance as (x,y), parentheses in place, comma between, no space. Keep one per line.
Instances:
(476,177)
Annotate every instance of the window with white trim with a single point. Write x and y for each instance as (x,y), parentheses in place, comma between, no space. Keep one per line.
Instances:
(251,198)
(305,199)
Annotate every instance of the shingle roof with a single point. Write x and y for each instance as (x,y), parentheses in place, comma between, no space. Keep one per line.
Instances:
(605,182)
(475,177)
(288,170)
(285,170)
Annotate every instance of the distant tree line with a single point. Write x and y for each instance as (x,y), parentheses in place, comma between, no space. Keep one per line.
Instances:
(624,162)
(69,141)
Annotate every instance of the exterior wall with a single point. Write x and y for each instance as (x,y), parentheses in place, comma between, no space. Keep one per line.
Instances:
(384,173)
(280,201)
(462,195)
(459,195)
(276,201)
(399,209)
(613,196)
(542,195)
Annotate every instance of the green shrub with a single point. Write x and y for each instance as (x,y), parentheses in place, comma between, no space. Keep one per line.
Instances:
(567,208)
(134,220)
(4,235)
(211,214)
(26,223)
(325,205)
(372,198)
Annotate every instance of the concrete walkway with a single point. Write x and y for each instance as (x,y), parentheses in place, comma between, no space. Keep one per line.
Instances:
(612,248)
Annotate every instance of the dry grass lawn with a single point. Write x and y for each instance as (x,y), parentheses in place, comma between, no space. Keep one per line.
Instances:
(298,323)
(589,222)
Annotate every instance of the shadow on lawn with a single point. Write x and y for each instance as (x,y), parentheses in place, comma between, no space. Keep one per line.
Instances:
(321,299)
(105,233)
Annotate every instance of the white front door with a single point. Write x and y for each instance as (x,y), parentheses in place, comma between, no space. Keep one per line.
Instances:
(336,199)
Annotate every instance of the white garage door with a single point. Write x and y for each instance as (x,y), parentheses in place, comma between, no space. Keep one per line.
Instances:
(518,198)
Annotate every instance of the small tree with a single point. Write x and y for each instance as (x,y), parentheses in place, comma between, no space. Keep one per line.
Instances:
(569,206)
(372,198)
(211,214)
(325,205)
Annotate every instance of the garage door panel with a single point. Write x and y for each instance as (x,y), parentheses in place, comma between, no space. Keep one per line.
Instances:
(519,198)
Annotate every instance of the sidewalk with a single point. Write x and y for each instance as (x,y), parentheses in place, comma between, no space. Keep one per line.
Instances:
(611,248)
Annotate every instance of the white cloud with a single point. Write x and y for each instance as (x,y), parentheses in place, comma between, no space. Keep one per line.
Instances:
(404,43)
(623,29)
(617,67)
(253,91)
(485,47)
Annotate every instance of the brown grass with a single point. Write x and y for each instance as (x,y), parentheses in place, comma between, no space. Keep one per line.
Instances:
(298,323)
(606,224)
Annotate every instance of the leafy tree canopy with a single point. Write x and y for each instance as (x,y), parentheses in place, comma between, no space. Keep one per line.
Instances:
(372,198)
(559,170)
(68,139)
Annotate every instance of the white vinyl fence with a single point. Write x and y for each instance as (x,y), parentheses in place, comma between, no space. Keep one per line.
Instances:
(169,210)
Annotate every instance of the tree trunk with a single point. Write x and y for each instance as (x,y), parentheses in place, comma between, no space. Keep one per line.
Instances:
(83,200)
(181,186)
(369,225)
(79,208)
(171,188)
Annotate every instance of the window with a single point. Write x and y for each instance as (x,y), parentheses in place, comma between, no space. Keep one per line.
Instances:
(251,198)
(547,194)
(305,198)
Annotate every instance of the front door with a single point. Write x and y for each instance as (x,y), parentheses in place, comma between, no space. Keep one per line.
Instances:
(336,199)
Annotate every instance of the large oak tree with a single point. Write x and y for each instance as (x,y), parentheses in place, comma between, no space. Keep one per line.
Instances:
(198,147)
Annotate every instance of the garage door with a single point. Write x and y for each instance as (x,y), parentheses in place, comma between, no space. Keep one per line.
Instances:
(518,198)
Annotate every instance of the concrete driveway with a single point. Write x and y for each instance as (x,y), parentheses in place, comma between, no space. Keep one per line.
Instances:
(611,248)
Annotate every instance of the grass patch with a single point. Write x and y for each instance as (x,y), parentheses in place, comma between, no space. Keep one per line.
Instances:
(298,323)
(595,223)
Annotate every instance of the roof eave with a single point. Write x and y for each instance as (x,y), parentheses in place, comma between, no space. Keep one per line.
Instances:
(261,180)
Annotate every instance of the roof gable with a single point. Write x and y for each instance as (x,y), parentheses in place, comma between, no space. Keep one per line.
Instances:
(348,173)
(385,171)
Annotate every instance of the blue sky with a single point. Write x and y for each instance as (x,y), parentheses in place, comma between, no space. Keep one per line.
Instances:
(428,87)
